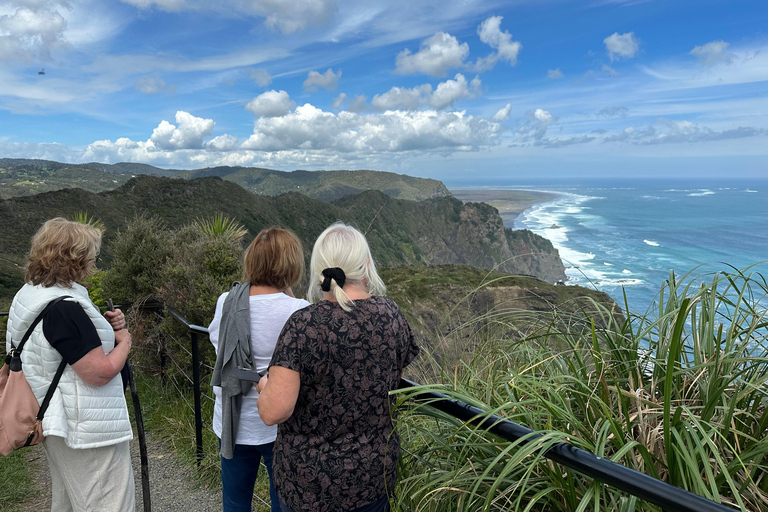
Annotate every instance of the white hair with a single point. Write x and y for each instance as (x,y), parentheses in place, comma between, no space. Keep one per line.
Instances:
(344,247)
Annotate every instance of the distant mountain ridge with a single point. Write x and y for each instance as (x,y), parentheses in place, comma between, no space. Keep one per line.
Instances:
(21,177)
(325,185)
(442,230)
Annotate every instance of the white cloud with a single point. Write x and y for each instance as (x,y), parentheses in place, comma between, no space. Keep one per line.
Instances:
(358,104)
(533,128)
(435,57)
(503,114)
(711,53)
(224,142)
(328,80)
(309,128)
(270,104)
(152,85)
(613,112)
(444,96)
(288,16)
(402,98)
(338,101)
(449,91)
(189,133)
(261,77)
(669,131)
(32,32)
(490,33)
(621,45)
(554,74)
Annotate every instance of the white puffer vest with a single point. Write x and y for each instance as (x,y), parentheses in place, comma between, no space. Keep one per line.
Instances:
(85,416)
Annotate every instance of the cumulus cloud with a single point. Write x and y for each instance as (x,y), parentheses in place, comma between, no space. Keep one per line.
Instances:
(449,91)
(621,45)
(554,74)
(270,104)
(261,77)
(188,133)
(309,128)
(224,142)
(490,33)
(711,53)
(444,96)
(435,57)
(288,16)
(152,85)
(328,80)
(32,31)
(402,98)
(358,103)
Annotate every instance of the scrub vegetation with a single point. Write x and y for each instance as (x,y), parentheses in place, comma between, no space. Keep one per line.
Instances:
(678,392)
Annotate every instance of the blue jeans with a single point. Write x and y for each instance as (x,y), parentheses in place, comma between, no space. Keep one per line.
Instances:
(238,477)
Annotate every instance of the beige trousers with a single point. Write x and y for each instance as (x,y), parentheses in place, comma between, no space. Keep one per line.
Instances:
(90,480)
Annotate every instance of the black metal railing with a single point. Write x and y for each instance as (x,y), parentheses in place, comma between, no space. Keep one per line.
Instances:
(645,487)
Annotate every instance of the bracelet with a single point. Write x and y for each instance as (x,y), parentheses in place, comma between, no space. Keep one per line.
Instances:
(120,329)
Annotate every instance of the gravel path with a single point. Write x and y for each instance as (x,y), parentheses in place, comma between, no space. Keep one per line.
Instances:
(171,489)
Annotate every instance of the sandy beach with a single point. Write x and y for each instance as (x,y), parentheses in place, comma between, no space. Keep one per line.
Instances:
(510,203)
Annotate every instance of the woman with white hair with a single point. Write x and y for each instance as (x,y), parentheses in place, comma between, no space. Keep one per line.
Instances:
(329,384)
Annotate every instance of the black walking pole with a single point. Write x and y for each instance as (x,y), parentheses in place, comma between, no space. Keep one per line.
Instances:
(127,374)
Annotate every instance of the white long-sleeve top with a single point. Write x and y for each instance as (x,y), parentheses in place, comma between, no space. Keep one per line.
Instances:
(268,315)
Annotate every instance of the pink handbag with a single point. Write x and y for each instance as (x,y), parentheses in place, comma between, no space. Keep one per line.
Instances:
(21,417)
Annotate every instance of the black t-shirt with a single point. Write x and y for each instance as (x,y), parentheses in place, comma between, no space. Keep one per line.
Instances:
(69,330)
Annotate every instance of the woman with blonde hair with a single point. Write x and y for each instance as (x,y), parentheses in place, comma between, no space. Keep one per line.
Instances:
(329,384)
(244,330)
(86,426)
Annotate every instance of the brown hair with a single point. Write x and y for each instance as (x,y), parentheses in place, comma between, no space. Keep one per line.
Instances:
(61,252)
(274,258)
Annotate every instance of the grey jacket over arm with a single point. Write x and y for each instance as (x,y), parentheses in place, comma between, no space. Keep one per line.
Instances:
(234,350)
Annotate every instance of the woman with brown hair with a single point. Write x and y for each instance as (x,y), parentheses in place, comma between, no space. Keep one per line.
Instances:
(86,425)
(244,331)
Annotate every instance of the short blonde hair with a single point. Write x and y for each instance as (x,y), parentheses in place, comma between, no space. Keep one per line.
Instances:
(274,258)
(61,252)
(342,246)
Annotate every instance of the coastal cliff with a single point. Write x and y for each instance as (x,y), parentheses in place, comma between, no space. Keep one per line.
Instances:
(400,232)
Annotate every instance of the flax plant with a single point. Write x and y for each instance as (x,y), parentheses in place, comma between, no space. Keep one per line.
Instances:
(678,393)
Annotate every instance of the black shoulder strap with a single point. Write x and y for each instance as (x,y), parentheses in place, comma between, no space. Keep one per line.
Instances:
(59,370)
(37,321)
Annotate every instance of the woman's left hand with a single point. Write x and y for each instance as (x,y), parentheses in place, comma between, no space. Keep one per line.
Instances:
(116,319)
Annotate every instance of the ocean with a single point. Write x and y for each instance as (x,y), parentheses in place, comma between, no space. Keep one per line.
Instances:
(626,236)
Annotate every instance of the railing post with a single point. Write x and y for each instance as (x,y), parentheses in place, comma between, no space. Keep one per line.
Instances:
(196,385)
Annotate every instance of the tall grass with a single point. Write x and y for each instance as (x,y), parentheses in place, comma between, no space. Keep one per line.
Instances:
(678,393)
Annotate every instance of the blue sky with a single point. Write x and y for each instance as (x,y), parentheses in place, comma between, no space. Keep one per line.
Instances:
(452,89)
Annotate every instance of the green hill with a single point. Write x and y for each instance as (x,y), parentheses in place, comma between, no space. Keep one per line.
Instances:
(435,231)
(24,177)
(325,185)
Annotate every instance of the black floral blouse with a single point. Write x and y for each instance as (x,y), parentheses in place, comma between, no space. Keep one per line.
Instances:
(339,450)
